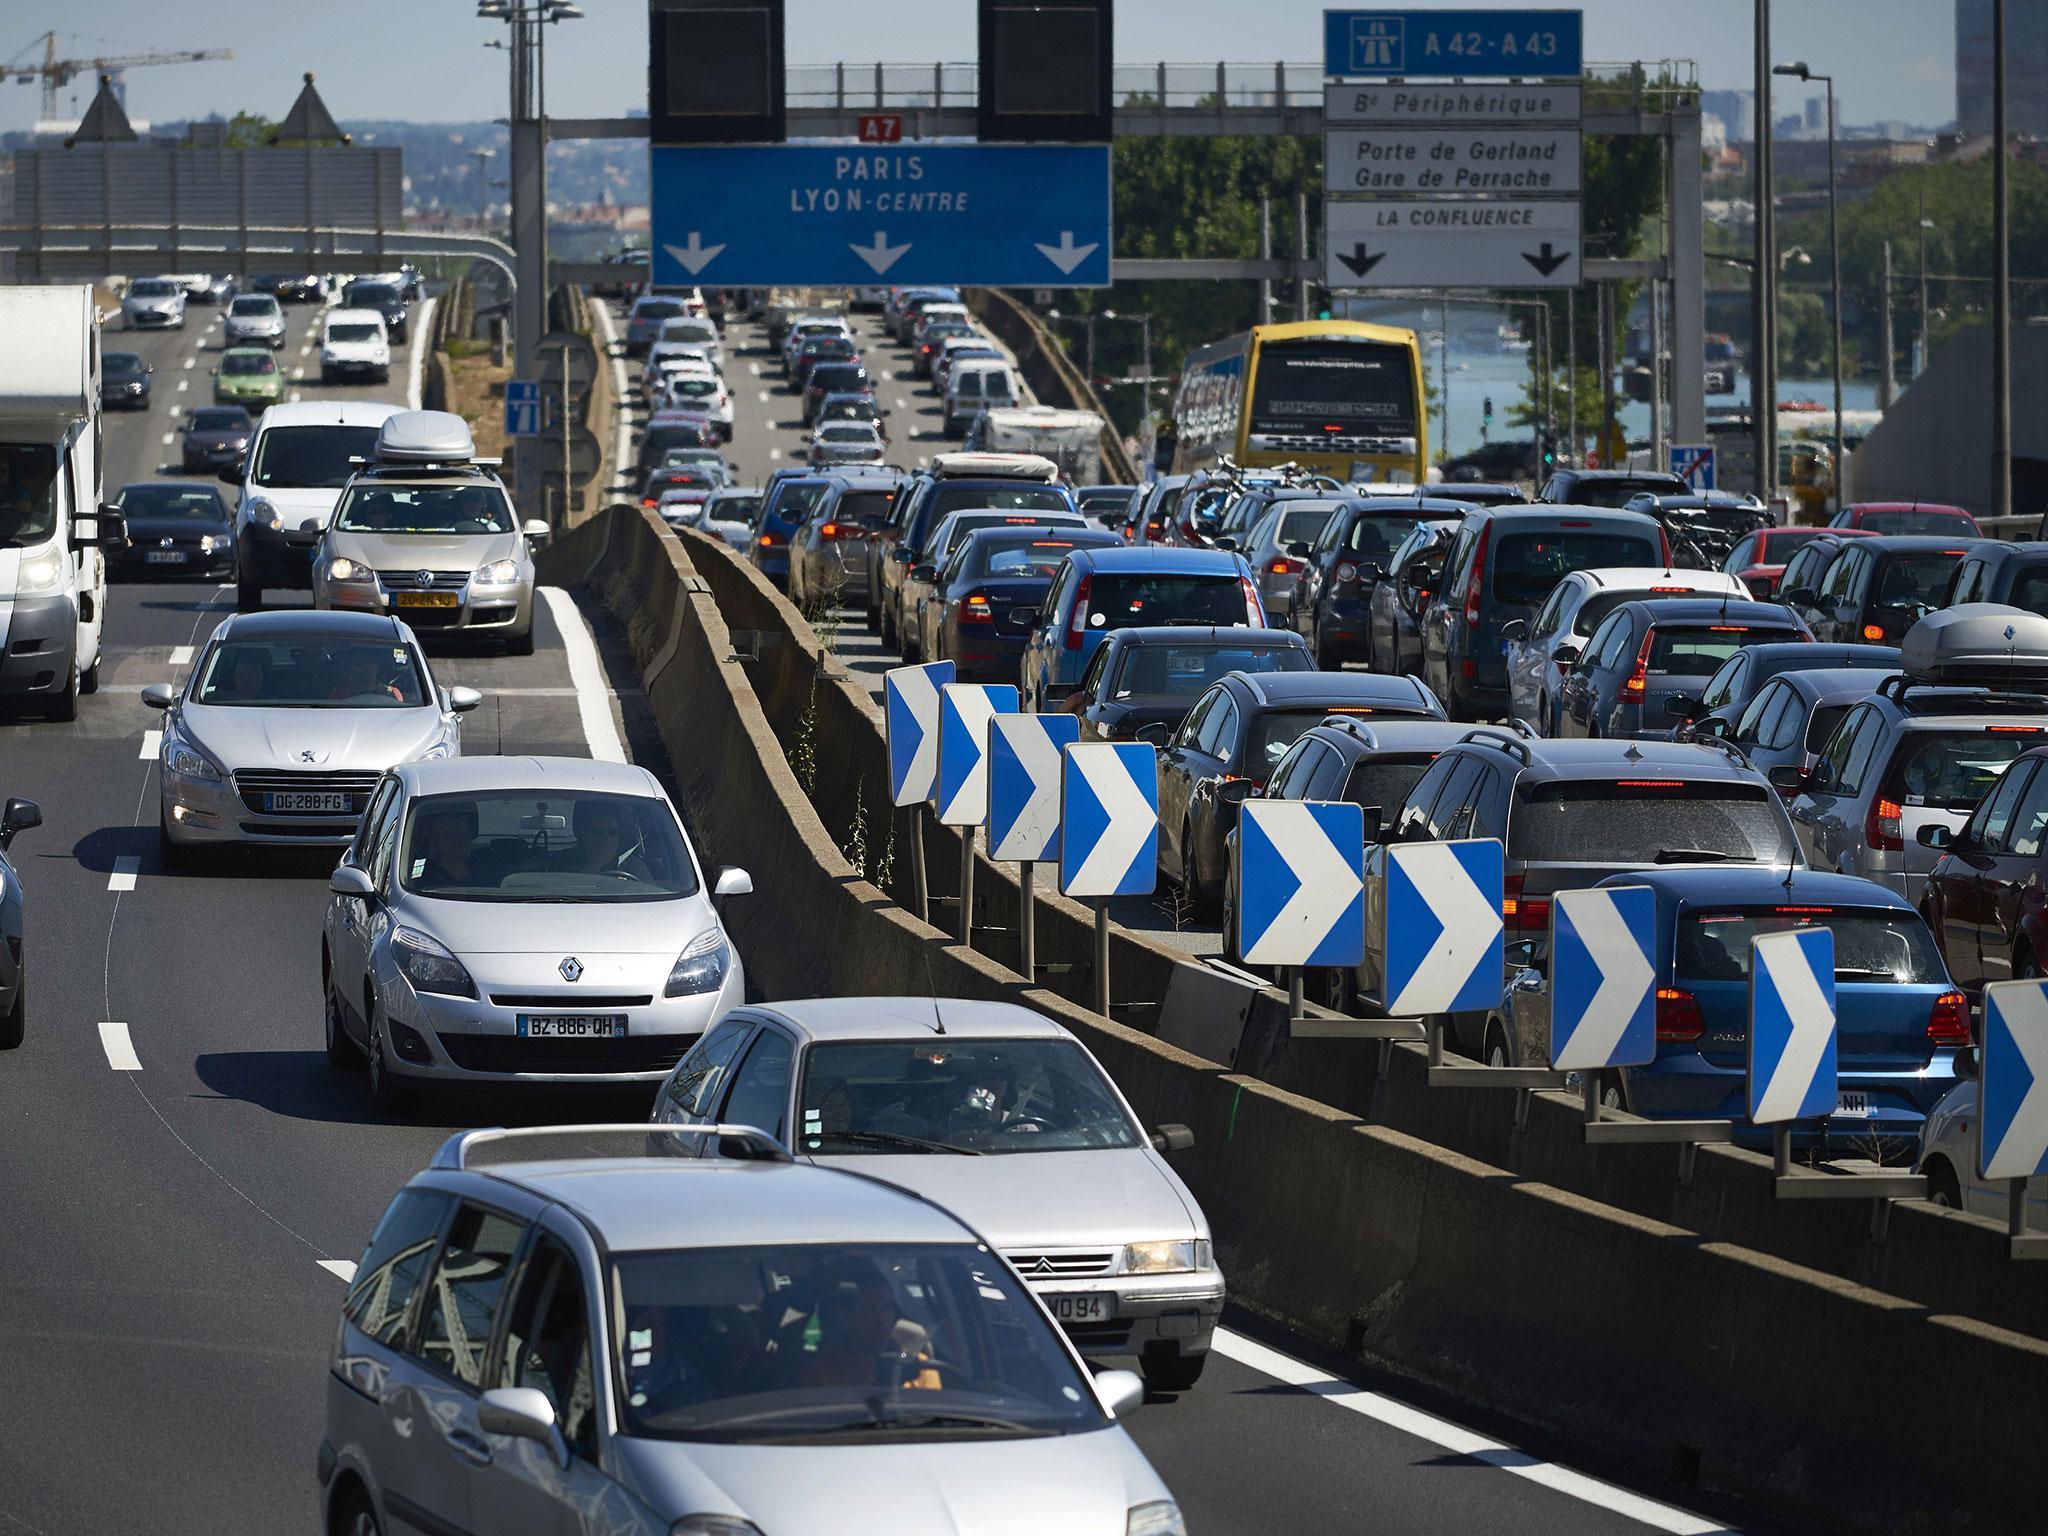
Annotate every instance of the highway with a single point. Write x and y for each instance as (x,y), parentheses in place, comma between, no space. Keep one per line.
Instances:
(188,1184)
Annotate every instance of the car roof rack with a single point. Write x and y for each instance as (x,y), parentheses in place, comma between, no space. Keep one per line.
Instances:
(1960,697)
(1501,736)
(741,1143)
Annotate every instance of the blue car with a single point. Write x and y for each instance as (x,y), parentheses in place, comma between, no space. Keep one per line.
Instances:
(1101,590)
(786,505)
(1901,1018)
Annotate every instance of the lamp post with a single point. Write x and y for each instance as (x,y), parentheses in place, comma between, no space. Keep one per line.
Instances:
(1801,72)
(483,157)
(1925,225)
(2001,284)
(1763,365)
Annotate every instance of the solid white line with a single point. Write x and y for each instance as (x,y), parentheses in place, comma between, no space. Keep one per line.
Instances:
(1460,1441)
(125,870)
(419,329)
(119,1048)
(593,702)
(343,1270)
(181,655)
(622,449)
(152,743)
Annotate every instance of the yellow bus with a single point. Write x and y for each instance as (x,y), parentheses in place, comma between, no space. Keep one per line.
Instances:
(1335,396)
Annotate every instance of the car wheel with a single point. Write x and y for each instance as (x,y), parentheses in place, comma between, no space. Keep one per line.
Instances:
(63,705)
(521,644)
(1172,1373)
(356,1518)
(89,679)
(1496,1046)
(1610,1092)
(387,1094)
(14,1027)
(341,1051)
(2025,967)
(248,593)
(1943,1188)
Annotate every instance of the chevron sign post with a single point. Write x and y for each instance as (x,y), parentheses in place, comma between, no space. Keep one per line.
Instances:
(1024,761)
(910,715)
(1109,833)
(964,710)
(1301,883)
(2012,1131)
(1440,933)
(1603,978)
(1792,1026)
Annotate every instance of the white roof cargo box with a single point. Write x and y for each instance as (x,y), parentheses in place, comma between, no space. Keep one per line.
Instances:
(994,466)
(425,437)
(48,372)
(1977,643)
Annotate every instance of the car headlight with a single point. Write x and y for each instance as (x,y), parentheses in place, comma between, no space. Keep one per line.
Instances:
(428,964)
(701,967)
(188,762)
(499,573)
(714,1525)
(1159,1518)
(263,510)
(210,543)
(41,573)
(1166,1258)
(341,568)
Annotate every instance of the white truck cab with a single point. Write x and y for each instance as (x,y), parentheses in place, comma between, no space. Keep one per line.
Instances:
(53,576)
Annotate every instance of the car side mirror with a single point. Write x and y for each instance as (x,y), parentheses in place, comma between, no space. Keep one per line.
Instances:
(462,700)
(924,573)
(1234,791)
(1799,596)
(311,525)
(1968,1062)
(1934,835)
(351,880)
(107,529)
(1790,776)
(159,695)
(1375,823)
(901,555)
(1566,655)
(1225,541)
(1172,1138)
(536,531)
(19,816)
(1515,629)
(522,1413)
(1155,733)
(733,881)
(1122,1392)
(234,473)
(1681,706)
(1716,726)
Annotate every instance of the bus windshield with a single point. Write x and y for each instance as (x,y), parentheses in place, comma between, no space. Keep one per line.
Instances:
(1304,386)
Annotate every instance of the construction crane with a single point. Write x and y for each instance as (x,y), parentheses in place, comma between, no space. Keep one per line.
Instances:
(55,73)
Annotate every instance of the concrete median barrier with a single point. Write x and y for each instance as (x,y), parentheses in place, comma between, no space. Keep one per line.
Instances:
(1678,1353)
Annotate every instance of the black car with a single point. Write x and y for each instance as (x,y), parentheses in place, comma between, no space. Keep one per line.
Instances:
(1109,505)
(2015,575)
(307,288)
(1152,676)
(1614,488)
(1650,657)
(1876,589)
(1331,605)
(175,528)
(1704,528)
(388,299)
(1742,677)
(215,437)
(833,377)
(986,601)
(124,382)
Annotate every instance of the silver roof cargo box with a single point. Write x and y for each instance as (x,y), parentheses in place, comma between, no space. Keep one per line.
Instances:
(1977,643)
(425,437)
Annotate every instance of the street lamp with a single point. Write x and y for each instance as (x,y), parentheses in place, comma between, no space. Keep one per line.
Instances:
(1800,71)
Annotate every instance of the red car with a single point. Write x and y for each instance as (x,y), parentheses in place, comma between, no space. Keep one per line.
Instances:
(1759,560)
(1933,517)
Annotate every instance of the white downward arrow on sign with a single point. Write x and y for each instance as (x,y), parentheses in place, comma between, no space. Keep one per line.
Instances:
(1625,974)
(1469,919)
(696,255)
(2024,1007)
(1066,255)
(1329,884)
(881,255)
(1131,821)
(1812,1022)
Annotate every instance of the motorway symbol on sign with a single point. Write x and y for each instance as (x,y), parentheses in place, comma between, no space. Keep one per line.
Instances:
(964,711)
(1451,243)
(1792,1026)
(1301,886)
(2012,1130)
(1603,978)
(522,407)
(1695,461)
(1501,106)
(1472,45)
(881,127)
(1441,934)
(910,697)
(1516,162)
(1024,785)
(1009,215)
(1109,819)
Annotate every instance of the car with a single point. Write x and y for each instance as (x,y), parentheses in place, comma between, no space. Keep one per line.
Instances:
(1394,617)
(1703,526)
(278,734)
(1329,599)
(833,328)
(1759,559)
(1503,563)
(711,460)
(907,306)
(699,480)
(1108,505)
(354,344)
(16,817)
(1726,695)
(694,330)
(1791,718)
(302,455)
(1924,517)
(1151,518)
(1650,657)
(248,377)
(1810,559)
(682,506)
(1948,1156)
(878,1366)
(1277,546)
(1231,741)
(1983,897)
(1903,1020)
(699,389)
(1541,651)
(828,558)
(303,288)
(1477,493)
(423,531)
(1059,1177)
(984,602)
(124,382)
(644,320)
(853,405)
(502,920)
(833,376)
(869,296)
(175,528)
(386,298)
(845,442)
(932,335)
(729,513)
(2015,575)
(955,350)
(1245,506)
(154,304)
(816,349)
(1099,591)
(1141,677)
(215,437)
(973,387)
(787,503)
(670,429)
(1921,750)
(254,319)
(1875,589)
(1611,488)
(215,288)
(917,597)
(1009,482)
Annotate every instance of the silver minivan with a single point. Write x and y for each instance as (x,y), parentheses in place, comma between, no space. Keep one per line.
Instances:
(976,387)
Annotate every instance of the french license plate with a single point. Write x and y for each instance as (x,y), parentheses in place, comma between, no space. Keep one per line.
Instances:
(571,1026)
(1853,1106)
(1092,1308)
(304,800)
(165,557)
(427,599)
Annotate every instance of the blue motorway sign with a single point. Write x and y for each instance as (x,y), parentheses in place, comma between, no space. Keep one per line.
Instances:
(522,408)
(1473,45)
(1792,1026)
(1440,937)
(1301,897)
(1024,757)
(837,215)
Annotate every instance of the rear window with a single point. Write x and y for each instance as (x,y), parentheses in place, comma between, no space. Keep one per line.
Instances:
(1905,580)
(1617,493)
(1037,558)
(1600,604)
(656,309)
(864,506)
(1385,781)
(1124,601)
(1024,497)
(1779,543)
(1526,566)
(1148,670)
(1952,769)
(1822,725)
(1649,821)
(1869,946)
(1700,651)
(794,503)
(1272,733)
(1915,520)
(1376,538)
(254,304)
(2030,590)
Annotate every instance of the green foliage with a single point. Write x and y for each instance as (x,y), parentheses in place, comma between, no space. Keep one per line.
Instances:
(250,130)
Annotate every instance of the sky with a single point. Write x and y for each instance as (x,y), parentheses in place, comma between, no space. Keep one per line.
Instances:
(425,61)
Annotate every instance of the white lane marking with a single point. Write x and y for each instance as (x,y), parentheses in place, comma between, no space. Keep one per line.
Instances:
(420,327)
(343,1270)
(764,397)
(192,361)
(755,370)
(1461,1441)
(592,698)
(119,1048)
(126,869)
(774,453)
(183,385)
(295,397)
(181,655)
(152,743)
(887,376)
(169,438)
(902,404)
(622,449)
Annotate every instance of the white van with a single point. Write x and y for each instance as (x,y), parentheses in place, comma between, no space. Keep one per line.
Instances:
(355,345)
(975,387)
(302,455)
(53,576)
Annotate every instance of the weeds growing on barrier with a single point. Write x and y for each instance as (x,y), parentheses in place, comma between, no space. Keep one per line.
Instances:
(856,846)
(803,752)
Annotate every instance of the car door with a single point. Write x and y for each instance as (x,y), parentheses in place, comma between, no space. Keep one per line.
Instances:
(2007,878)
(1178,761)
(1837,610)
(1578,695)
(348,926)
(695,1087)
(1954,903)
(1086,699)
(759,1092)
(1725,691)
(1825,815)
(1303,613)
(1528,658)
(1437,617)
(1037,666)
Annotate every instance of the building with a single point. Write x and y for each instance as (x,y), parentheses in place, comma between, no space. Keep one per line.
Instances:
(2026,67)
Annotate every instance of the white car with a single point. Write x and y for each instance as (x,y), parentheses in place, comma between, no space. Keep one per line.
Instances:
(1948,1156)
(354,345)
(253,319)
(846,442)
(694,330)
(697,389)
(154,304)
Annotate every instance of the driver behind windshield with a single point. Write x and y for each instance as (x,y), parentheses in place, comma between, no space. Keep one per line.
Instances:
(358,673)
(600,846)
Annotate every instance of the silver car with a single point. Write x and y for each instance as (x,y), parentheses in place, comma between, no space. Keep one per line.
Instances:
(253,319)
(846,442)
(284,725)
(570,1329)
(154,304)
(530,919)
(1278,545)
(1000,1114)
(427,533)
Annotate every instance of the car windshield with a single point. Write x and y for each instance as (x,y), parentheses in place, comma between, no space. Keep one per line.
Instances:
(120,363)
(1376,538)
(1951,769)
(1647,821)
(1527,565)
(1884,946)
(852,408)
(372,296)
(1273,732)
(1117,600)
(254,305)
(152,288)
(28,493)
(352,330)
(427,509)
(737,509)
(310,672)
(197,503)
(1925,520)
(1146,671)
(694,387)
(248,363)
(1778,544)
(839,1343)
(1908,581)
(314,457)
(547,845)
(1597,606)
(1699,651)
(1302,526)
(221,418)
(943,1094)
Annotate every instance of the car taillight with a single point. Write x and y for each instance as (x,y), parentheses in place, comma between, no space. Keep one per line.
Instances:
(765,540)
(1254,615)
(1347,571)
(647,501)
(1478,578)
(1530,914)
(837,531)
(974,609)
(1873,631)
(1639,680)
(1679,1019)
(1078,624)
(1948,1024)
(1881,829)
(1283,565)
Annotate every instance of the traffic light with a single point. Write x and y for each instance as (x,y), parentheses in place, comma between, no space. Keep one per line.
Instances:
(1045,71)
(1549,450)
(714,72)
(1486,411)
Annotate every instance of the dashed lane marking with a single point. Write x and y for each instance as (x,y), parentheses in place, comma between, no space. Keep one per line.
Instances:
(764,397)
(169,438)
(181,655)
(774,453)
(183,385)
(343,1270)
(295,397)
(119,1048)
(152,743)
(126,868)
(593,703)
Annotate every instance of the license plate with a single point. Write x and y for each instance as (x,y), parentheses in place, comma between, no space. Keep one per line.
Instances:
(304,800)
(1853,1106)
(165,557)
(427,599)
(571,1026)
(1093,1308)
